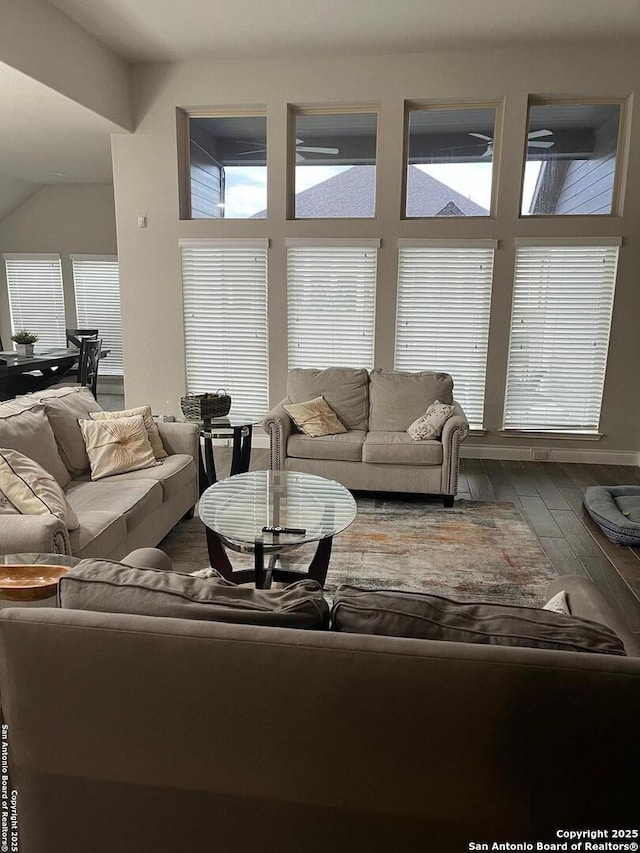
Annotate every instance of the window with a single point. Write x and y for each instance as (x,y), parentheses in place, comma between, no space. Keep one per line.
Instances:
(97,289)
(571,158)
(36,299)
(225,320)
(331,287)
(450,153)
(562,304)
(335,164)
(442,320)
(227,167)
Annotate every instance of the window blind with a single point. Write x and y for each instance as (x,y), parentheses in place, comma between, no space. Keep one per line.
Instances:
(97,290)
(561,317)
(331,296)
(225,320)
(36,298)
(442,319)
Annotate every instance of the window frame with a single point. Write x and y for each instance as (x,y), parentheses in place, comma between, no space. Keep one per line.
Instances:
(294,110)
(617,196)
(427,106)
(183,116)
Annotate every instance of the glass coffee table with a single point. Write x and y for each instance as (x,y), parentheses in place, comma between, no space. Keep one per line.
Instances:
(268,513)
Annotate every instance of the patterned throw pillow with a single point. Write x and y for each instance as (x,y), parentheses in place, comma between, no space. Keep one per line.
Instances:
(315,417)
(558,604)
(150,425)
(429,425)
(31,490)
(117,446)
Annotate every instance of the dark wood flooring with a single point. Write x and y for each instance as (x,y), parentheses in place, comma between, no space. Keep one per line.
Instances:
(549,496)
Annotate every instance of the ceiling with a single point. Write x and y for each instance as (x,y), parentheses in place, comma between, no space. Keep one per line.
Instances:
(153,31)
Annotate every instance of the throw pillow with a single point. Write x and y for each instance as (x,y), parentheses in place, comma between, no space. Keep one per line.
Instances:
(117,446)
(32,490)
(432,617)
(115,588)
(6,507)
(429,426)
(149,424)
(558,604)
(315,417)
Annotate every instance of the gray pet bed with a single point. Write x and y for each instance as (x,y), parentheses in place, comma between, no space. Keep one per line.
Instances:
(616,510)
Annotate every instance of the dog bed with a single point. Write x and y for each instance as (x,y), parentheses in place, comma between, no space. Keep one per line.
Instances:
(616,510)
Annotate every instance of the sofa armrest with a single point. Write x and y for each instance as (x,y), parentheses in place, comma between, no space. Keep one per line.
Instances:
(38,534)
(279,426)
(454,432)
(180,437)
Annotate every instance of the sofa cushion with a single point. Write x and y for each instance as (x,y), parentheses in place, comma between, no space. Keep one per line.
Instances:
(116,588)
(315,418)
(149,424)
(100,532)
(32,490)
(133,500)
(431,617)
(398,448)
(345,389)
(117,446)
(345,447)
(64,407)
(174,474)
(25,427)
(397,398)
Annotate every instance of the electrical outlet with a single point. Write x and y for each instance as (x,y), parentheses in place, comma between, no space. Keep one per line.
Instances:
(541,454)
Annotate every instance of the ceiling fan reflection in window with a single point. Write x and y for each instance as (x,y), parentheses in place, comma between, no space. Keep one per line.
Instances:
(533,140)
(301,149)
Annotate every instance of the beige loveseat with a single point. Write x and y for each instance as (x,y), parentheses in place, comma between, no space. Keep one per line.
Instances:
(376,453)
(117,513)
(199,736)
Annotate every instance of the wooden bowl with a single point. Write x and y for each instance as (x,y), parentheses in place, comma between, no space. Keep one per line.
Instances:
(29,582)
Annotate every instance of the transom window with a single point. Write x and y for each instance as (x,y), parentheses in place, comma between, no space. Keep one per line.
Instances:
(450,154)
(571,158)
(334,158)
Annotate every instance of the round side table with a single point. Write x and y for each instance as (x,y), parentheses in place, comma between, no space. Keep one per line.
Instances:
(237,427)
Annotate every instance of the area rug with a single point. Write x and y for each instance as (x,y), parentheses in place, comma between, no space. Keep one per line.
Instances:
(479,550)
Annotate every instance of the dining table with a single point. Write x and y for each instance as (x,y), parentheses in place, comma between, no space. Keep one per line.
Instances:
(20,374)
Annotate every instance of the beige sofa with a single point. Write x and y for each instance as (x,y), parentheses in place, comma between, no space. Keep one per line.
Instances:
(201,736)
(376,453)
(117,514)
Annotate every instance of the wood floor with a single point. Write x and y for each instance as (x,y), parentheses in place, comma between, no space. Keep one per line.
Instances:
(549,496)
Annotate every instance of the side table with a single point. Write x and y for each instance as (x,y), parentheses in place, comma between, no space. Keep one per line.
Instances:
(237,427)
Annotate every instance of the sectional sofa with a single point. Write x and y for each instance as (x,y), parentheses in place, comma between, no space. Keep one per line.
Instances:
(117,513)
(376,453)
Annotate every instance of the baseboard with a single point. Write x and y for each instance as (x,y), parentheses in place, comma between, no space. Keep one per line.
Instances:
(523,454)
(556,454)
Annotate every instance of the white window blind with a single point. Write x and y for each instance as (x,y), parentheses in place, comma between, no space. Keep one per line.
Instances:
(562,304)
(36,298)
(331,287)
(225,320)
(97,290)
(442,320)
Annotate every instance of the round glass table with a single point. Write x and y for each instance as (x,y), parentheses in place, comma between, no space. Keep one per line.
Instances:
(32,578)
(239,428)
(269,512)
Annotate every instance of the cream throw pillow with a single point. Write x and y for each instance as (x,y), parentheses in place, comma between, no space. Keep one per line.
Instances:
(150,425)
(315,417)
(117,446)
(32,490)
(429,426)
(558,604)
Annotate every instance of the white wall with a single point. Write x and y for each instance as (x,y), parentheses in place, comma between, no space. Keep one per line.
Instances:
(64,219)
(145,179)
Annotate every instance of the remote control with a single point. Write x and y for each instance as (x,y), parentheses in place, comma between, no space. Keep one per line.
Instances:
(298,531)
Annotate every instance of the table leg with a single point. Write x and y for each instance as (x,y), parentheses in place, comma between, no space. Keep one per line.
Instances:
(245,458)
(262,578)
(320,563)
(209,462)
(220,561)
(236,457)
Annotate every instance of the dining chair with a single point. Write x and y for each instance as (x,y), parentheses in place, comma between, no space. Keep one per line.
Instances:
(75,336)
(88,362)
